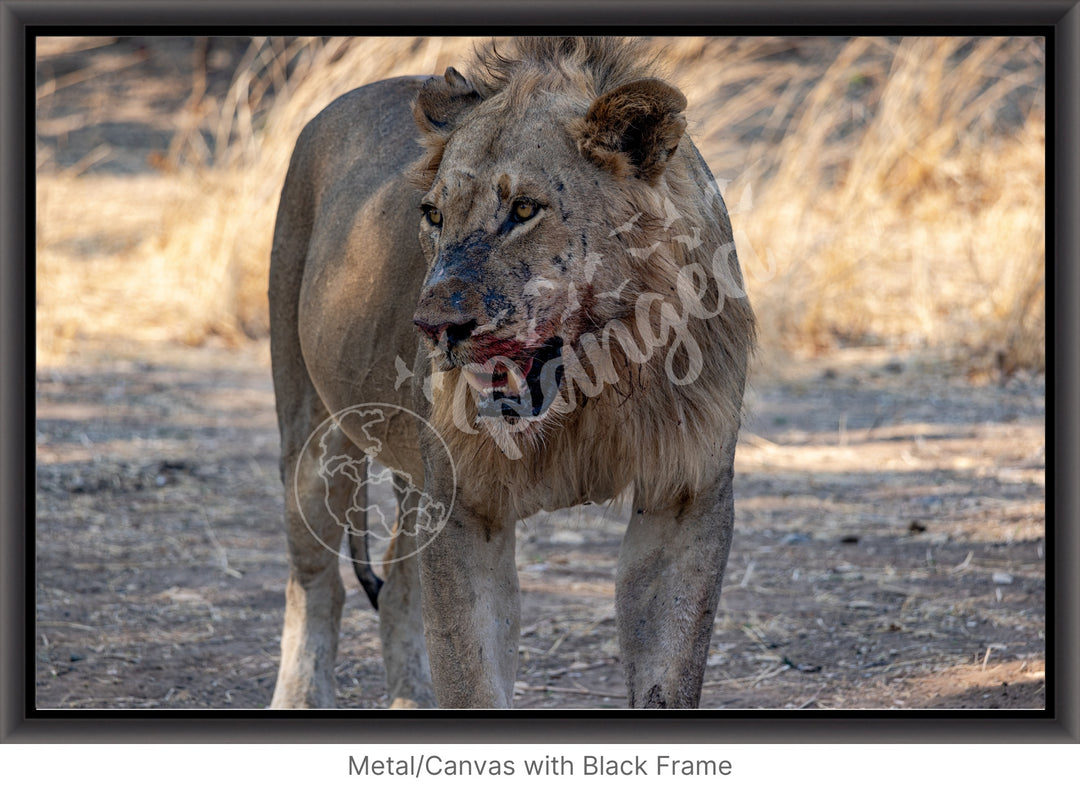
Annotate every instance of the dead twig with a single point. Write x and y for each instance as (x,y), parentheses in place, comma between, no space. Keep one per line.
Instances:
(769,674)
(963,566)
(810,700)
(558,643)
(579,667)
(68,625)
(752,681)
(223,557)
(989,649)
(529,688)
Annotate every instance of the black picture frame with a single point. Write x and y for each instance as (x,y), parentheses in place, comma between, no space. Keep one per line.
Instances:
(1058,20)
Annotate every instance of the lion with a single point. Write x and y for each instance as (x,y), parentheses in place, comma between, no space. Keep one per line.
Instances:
(531,271)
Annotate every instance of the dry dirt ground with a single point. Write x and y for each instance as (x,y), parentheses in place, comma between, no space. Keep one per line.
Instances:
(889,549)
(890,512)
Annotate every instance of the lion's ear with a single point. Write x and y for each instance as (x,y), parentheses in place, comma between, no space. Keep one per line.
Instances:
(443,101)
(634,129)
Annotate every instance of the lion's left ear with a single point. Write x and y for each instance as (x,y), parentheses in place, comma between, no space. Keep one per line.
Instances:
(442,102)
(634,129)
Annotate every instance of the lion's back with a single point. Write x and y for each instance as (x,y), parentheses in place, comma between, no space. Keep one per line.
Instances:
(368,132)
(346,266)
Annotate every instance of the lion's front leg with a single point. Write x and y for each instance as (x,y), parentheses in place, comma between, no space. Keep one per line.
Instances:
(401,626)
(668,584)
(471,611)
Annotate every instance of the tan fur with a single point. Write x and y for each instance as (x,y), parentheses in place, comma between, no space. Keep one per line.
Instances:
(624,256)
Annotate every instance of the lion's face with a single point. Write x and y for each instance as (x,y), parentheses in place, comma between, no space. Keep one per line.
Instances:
(503,232)
(518,230)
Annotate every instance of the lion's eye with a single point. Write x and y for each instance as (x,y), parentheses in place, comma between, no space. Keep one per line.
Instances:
(523,210)
(433,215)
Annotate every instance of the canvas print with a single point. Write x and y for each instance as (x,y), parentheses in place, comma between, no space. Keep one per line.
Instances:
(540,373)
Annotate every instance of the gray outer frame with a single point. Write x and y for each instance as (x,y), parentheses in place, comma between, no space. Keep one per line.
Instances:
(19,722)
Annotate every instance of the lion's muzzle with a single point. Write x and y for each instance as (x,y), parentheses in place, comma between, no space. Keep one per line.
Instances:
(446,335)
(521,387)
(511,378)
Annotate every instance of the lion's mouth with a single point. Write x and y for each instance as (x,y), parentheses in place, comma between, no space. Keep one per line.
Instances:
(518,387)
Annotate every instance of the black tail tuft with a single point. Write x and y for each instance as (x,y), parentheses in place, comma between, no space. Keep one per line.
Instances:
(369,580)
(358,545)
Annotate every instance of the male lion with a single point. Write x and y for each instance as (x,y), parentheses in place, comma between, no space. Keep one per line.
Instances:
(534,304)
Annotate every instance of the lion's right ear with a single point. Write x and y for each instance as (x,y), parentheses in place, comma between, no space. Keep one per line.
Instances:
(442,102)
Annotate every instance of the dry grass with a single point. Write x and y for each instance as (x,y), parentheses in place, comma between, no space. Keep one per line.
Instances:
(900,206)
(882,190)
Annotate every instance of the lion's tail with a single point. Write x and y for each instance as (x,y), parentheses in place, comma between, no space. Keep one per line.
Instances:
(360,555)
(369,580)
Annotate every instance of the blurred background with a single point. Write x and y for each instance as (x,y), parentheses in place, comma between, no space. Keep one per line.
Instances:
(884,191)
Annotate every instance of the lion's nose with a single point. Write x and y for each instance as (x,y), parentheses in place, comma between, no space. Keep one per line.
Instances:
(455,331)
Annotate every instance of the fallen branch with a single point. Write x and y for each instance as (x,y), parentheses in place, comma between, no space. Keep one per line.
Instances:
(579,667)
(528,688)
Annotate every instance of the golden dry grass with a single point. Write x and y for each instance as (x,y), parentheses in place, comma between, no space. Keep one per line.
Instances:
(881,190)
